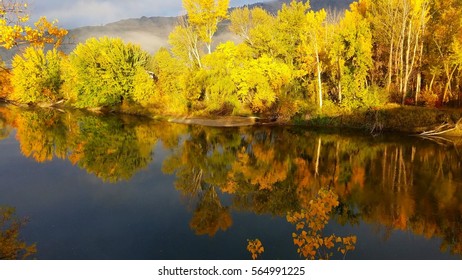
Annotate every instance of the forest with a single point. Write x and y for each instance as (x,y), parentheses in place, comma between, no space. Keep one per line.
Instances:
(292,64)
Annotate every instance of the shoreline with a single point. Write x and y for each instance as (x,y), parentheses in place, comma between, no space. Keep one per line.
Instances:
(396,119)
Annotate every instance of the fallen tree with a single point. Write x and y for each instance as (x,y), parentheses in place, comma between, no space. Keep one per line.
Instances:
(445,130)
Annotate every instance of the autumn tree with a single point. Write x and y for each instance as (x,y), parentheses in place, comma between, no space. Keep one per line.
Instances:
(204,17)
(443,53)
(101,72)
(312,45)
(351,56)
(15,31)
(171,82)
(399,27)
(247,23)
(37,76)
(185,43)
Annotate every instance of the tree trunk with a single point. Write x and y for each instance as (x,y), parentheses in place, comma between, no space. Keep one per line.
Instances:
(319,75)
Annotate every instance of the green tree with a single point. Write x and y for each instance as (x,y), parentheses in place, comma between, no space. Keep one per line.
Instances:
(101,72)
(171,82)
(351,56)
(36,76)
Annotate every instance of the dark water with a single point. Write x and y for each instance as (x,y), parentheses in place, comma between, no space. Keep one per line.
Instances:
(120,187)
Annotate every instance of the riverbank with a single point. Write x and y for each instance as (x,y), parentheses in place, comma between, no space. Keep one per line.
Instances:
(402,119)
(392,118)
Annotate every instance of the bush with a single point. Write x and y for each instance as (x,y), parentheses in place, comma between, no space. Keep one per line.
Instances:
(36,76)
(102,71)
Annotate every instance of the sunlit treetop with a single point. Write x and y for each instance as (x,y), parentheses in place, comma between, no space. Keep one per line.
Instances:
(15,30)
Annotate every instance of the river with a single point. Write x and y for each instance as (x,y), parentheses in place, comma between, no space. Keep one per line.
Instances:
(89,186)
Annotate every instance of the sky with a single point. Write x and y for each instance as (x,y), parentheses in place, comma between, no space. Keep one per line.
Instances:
(77,13)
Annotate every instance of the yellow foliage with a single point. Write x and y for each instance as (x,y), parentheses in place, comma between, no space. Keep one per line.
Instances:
(204,16)
(14,31)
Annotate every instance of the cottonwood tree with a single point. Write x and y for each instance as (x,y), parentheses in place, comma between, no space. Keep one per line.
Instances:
(185,43)
(351,54)
(313,44)
(204,16)
(244,21)
(399,26)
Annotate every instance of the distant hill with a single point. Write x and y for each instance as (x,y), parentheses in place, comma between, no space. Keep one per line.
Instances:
(152,32)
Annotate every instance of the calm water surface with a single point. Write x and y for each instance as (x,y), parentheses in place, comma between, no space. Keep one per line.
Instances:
(120,187)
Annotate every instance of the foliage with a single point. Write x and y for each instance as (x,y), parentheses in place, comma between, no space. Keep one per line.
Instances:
(5,81)
(11,245)
(185,44)
(255,247)
(171,82)
(204,16)
(310,224)
(298,62)
(101,72)
(36,76)
(14,31)
(144,88)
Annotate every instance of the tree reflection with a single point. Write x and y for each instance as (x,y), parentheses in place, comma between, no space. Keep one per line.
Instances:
(310,224)
(11,245)
(112,147)
(402,186)
(411,186)
(209,215)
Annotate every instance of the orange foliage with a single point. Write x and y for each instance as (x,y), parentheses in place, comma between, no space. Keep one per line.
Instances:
(255,247)
(309,224)
(5,83)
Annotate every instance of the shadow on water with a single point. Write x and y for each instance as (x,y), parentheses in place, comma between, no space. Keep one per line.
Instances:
(309,178)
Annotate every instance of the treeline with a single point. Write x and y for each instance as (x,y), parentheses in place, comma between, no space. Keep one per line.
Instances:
(295,62)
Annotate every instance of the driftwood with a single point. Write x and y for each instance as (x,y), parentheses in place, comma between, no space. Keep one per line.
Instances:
(445,130)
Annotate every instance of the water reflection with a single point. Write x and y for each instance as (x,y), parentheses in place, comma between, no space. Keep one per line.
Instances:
(112,147)
(402,183)
(12,247)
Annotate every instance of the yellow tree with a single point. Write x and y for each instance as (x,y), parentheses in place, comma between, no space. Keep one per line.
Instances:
(351,55)
(313,43)
(14,29)
(398,27)
(185,43)
(204,16)
(244,22)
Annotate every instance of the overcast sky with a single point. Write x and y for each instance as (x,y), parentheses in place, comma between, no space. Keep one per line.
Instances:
(76,13)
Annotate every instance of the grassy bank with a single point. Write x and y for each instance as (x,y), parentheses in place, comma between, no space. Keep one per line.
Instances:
(392,118)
